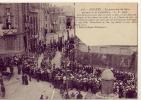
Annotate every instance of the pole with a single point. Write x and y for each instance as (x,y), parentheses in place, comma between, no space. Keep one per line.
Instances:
(89,55)
(68,34)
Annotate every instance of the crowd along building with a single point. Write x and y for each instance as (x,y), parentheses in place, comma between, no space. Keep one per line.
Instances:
(24,25)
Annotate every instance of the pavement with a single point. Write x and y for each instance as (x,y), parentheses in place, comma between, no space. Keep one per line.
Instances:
(16,91)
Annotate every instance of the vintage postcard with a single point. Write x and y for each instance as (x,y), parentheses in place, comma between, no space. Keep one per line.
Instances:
(57,51)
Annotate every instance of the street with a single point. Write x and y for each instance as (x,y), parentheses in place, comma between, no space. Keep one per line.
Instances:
(43,55)
(16,91)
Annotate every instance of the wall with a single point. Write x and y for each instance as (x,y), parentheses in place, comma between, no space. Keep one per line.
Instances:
(122,50)
(14,43)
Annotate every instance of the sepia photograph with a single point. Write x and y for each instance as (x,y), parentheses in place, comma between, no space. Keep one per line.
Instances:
(58,51)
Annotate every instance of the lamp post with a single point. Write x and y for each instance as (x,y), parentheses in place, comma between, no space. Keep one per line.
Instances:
(89,54)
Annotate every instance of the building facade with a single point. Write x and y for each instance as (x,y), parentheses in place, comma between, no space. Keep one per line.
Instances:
(31,22)
(11,29)
(118,57)
(24,25)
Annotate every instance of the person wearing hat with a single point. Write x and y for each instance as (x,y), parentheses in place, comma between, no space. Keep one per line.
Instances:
(41,97)
(3,90)
(23,79)
(26,79)
(1,79)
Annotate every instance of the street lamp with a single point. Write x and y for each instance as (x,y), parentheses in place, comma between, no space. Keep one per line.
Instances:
(89,54)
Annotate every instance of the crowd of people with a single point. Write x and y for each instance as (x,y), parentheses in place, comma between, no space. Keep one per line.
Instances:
(70,75)
(6,69)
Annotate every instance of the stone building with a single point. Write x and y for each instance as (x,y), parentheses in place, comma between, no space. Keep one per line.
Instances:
(30,22)
(24,25)
(11,29)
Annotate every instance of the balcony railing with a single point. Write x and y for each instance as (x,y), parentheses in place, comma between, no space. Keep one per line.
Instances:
(7,28)
(6,31)
(9,31)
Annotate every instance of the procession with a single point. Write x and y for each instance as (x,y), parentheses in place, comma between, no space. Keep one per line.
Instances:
(42,58)
(70,75)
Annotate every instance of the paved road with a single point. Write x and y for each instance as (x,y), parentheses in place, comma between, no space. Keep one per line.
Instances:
(16,91)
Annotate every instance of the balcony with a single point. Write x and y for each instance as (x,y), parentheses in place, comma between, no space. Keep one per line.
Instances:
(9,31)
(6,31)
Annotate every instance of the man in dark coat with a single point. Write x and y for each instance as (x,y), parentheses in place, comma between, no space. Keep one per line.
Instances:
(19,66)
(38,73)
(23,79)
(26,79)
(3,90)
(1,64)
(120,92)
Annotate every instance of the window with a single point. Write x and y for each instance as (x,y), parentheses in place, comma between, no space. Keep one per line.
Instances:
(8,20)
(10,40)
(46,18)
(124,51)
(0,19)
(7,10)
(31,20)
(24,18)
(27,18)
